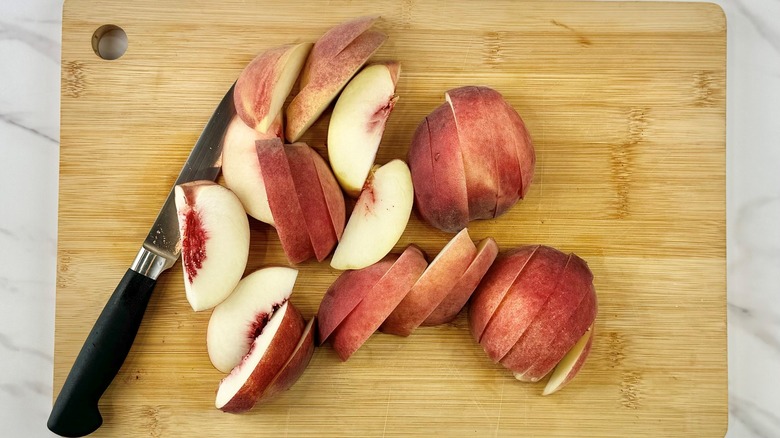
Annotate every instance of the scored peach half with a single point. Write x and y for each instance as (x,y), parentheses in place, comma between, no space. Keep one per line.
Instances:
(471,158)
(433,286)
(358,122)
(333,60)
(265,83)
(540,319)
(214,232)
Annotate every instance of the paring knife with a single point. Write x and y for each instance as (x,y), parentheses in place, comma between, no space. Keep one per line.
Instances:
(75,413)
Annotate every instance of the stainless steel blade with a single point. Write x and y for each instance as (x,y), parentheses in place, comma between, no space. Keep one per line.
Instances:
(162,246)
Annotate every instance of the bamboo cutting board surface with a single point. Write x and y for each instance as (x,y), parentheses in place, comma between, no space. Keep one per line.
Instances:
(626,104)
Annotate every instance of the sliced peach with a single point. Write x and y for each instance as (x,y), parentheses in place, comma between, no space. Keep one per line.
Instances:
(347,292)
(312,199)
(241,169)
(270,351)
(265,83)
(285,206)
(437,171)
(433,286)
(378,219)
(236,322)
(335,58)
(448,309)
(333,196)
(564,340)
(375,307)
(358,122)
(293,369)
(214,232)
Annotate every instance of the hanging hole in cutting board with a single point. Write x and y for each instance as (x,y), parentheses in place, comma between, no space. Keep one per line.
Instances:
(109,42)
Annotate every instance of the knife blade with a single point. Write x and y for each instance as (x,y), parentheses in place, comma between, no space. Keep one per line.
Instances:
(75,412)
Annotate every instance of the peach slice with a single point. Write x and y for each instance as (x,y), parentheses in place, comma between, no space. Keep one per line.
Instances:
(333,42)
(477,146)
(433,286)
(378,219)
(448,309)
(293,369)
(270,351)
(285,205)
(241,168)
(551,320)
(527,299)
(494,287)
(378,304)
(570,365)
(437,172)
(358,122)
(236,322)
(333,196)
(334,59)
(214,232)
(265,83)
(312,199)
(347,292)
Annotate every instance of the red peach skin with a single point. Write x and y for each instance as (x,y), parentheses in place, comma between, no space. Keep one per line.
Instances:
(575,283)
(551,387)
(527,298)
(456,299)
(358,326)
(508,168)
(295,366)
(286,209)
(264,84)
(333,195)
(494,287)
(312,199)
(573,330)
(279,350)
(328,70)
(333,42)
(477,146)
(347,292)
(437,172)
(433,286)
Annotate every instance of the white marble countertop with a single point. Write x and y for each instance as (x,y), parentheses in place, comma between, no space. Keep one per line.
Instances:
(29,149)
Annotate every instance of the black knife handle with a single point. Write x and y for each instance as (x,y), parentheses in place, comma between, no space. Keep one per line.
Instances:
(75,413)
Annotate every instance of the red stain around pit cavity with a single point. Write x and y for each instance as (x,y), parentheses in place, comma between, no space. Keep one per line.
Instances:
(193,244)
(379,118)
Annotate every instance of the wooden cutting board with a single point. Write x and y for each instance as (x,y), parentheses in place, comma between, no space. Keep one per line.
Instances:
(626,104)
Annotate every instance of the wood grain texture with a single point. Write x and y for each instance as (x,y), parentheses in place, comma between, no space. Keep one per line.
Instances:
(626,103)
